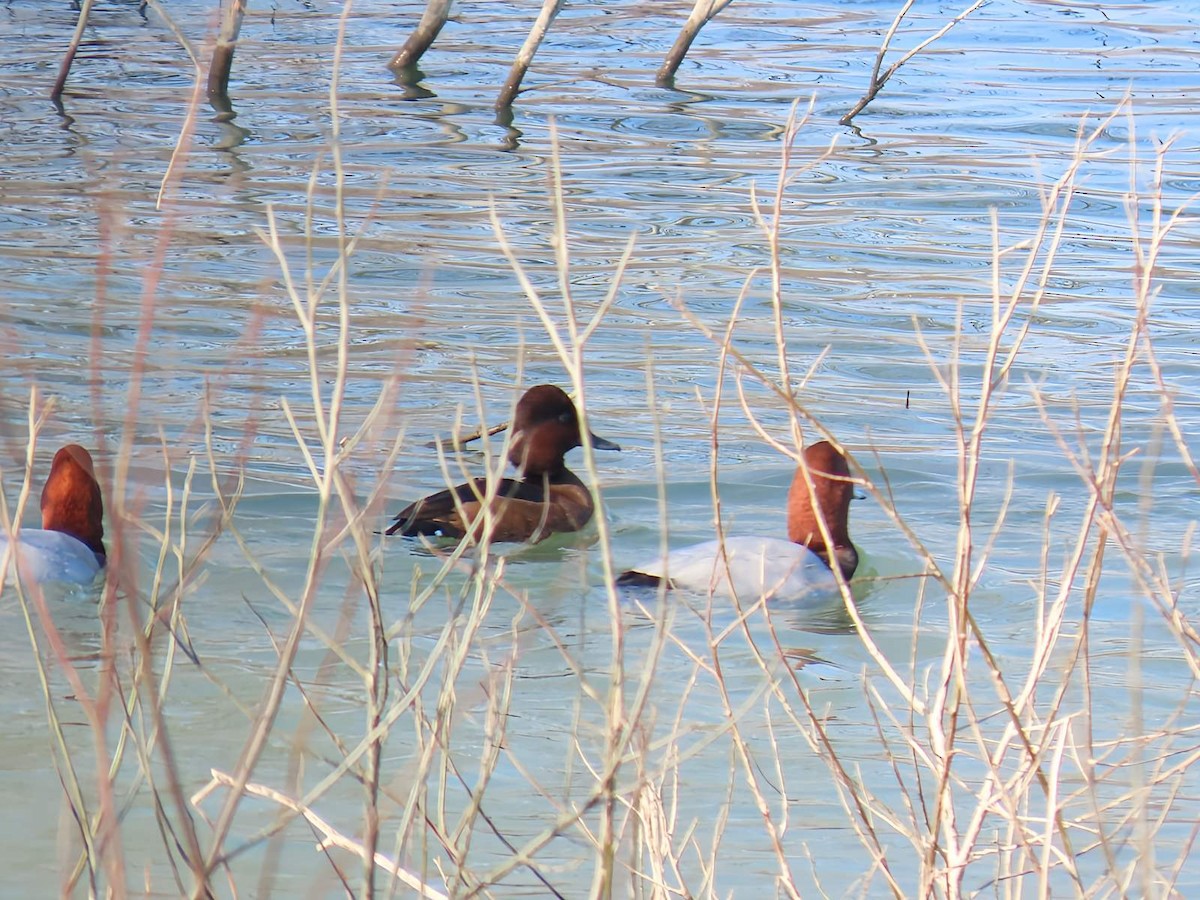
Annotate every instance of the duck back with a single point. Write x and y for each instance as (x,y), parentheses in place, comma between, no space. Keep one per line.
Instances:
(750,567)
(46,556)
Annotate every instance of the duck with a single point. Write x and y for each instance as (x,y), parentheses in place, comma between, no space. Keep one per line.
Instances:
(547,498)
(69,547)
(766,567)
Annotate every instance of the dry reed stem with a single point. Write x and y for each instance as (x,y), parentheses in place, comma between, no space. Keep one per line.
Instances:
(88,825)
(1039,746)
(330,835)
(569,341)
(990,763)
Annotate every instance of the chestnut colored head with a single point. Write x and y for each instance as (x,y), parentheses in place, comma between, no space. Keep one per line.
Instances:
(545,427)
(829,499)
(71,501)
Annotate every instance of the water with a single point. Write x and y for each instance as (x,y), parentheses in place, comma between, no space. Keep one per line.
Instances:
(885,243)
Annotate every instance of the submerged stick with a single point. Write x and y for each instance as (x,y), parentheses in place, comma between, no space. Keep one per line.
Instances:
(512,85)
(222,58)
(430,26)
(702,13)
(878,80)
(65,69)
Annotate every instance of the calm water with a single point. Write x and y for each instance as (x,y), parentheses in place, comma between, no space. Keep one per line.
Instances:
(885,242)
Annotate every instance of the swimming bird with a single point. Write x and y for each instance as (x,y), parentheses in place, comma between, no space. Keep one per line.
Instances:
(546,499)
(69,546)
(754,567)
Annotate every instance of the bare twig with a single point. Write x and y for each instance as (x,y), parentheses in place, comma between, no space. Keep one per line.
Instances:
(878,80)
(330,835)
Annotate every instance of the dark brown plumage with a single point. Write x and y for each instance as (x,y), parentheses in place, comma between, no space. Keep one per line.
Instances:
(548,497)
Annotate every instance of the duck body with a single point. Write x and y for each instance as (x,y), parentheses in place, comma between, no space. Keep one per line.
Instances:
(42,556)
(526,509)
(69,547)
(767,567)
(547,498)
(750,568)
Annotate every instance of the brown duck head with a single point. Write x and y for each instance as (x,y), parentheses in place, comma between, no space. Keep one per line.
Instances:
(545,427)
(829,499)
(71,501)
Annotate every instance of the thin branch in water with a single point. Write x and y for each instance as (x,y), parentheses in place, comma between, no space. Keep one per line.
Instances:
(877,80)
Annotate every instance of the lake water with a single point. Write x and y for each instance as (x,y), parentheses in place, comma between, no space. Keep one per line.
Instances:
(143,321)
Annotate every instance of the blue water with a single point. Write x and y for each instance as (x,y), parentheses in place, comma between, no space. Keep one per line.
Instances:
(886,238)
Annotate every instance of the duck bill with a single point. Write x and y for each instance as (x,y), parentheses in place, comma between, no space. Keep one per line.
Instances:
(600,443)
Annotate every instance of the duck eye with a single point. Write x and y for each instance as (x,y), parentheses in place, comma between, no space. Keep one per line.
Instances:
(566,417)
